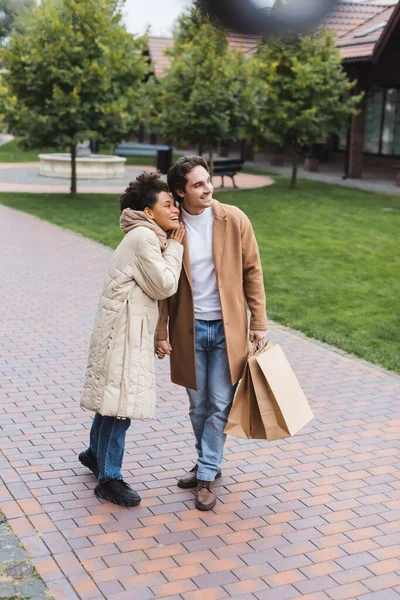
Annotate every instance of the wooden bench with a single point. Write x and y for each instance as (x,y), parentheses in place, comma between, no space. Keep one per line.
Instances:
(138,149)
(227,167)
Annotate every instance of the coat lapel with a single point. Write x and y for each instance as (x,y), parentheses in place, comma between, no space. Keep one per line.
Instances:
(186,262)
(219,235)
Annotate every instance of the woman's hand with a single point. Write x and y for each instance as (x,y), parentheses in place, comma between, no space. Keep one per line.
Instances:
(163,347)
(177,234)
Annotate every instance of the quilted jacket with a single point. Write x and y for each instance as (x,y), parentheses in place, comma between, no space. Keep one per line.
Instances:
(120,378)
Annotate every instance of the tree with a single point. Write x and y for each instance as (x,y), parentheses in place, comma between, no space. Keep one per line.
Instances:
(201,99)
(72,74)
(10,10)
(299,92)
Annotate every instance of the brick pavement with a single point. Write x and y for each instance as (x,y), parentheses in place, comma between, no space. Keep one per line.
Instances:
(315,517)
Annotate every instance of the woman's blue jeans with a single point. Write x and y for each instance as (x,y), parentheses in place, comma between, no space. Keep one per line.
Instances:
(211,404)
(107,444)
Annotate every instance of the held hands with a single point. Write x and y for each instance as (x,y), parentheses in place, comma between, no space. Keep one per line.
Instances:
(177,234)
(163,347)
(256,336)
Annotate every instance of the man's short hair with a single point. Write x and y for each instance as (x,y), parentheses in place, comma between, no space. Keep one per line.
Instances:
(177,173)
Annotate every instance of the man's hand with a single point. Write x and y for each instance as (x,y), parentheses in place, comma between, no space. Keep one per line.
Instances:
(163,347)
(256,336)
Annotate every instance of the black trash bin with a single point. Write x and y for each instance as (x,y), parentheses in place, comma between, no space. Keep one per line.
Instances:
(164,159)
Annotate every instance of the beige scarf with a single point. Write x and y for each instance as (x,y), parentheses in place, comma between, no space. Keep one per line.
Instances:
(130,219)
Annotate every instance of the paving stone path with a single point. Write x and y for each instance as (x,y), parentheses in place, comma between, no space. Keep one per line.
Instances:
(18,578)
(315,517)
(25,177)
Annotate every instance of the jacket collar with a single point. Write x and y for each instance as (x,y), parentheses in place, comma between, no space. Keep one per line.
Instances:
(219,211)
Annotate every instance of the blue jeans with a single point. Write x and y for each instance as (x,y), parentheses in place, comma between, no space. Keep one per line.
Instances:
(107,444)
(211,404)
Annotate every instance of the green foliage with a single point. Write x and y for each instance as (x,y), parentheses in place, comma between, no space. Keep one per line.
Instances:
(10,11)
(73,74)
(12,152)
(299,90)
(201,98)
(3,93)
(329,253)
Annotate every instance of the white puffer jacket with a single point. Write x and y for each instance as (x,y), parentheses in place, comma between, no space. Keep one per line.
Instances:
(120,377)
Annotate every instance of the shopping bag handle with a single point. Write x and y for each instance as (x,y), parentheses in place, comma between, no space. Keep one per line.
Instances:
(259,347)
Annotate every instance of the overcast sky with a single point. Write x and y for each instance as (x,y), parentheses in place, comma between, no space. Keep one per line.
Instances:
(159,14)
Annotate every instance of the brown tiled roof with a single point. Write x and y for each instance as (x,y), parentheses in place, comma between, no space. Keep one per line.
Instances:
(157,47)
(358,27)
(247,43)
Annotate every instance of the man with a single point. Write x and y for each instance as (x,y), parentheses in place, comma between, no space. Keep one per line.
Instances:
(208,326)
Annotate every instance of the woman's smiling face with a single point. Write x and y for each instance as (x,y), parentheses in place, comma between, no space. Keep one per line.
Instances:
(164,212)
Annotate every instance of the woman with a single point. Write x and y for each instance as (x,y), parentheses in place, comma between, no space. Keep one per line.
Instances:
(120,379)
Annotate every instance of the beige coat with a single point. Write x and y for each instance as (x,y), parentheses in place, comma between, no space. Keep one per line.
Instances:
(120,379)
(240,282)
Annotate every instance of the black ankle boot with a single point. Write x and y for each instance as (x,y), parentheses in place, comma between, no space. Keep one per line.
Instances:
(117,492)
(89,460)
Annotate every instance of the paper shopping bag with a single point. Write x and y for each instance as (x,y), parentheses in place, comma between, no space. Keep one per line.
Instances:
(269,402)
(244,418)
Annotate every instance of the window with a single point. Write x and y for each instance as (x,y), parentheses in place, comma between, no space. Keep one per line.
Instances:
(342,137)
(391,123)
(396,141)
(373,122)
(382,125)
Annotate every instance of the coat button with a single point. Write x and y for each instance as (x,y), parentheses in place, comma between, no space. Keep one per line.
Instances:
(191,331)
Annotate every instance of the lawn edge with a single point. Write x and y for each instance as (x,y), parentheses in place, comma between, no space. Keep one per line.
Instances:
(286,328)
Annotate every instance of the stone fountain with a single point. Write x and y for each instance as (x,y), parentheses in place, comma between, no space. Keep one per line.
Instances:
(88,166)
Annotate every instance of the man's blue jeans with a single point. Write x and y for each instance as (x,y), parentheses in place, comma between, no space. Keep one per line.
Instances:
(211,404)
(107,444)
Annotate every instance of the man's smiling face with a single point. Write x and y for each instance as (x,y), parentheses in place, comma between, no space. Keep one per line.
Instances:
(198,192)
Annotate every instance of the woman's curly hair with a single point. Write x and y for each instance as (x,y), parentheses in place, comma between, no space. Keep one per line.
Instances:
(143,192)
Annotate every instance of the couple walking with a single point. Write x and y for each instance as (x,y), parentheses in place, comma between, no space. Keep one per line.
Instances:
(178,284)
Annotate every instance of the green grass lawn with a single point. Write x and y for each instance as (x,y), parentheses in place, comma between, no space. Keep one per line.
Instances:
(11,152)
(330,256)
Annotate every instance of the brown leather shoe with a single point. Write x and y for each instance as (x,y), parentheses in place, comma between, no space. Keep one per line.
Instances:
(206,498)
(190,479)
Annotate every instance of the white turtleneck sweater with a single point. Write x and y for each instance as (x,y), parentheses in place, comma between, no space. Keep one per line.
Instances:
(199,233)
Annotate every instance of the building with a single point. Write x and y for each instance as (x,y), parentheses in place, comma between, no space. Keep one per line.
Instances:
(368,36)
(369,40)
